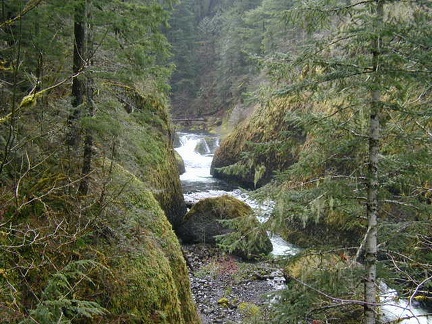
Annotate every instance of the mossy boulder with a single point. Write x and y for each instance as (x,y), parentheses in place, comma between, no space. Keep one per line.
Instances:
(151,282)
(310,233)
(149,278)
(180,163)
(144,146)
(225,220)
(262,144)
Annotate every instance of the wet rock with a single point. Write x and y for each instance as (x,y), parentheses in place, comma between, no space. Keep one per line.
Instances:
(180,163)
(204,223)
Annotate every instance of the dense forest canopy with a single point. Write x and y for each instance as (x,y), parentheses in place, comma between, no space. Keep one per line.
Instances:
(217,46)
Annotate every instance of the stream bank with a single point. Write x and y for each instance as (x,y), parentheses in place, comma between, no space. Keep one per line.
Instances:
(227,289)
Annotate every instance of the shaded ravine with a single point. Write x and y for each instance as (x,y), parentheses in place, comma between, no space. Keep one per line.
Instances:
(197,152)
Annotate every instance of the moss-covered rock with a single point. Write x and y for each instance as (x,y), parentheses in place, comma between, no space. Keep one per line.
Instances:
(261,145)
(110,256)
(180,163)
(325,232)
(228,221)
(151,283)
(143,145)
(149,275)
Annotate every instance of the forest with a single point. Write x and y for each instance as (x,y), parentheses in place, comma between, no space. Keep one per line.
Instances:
(322,106)
(326,109)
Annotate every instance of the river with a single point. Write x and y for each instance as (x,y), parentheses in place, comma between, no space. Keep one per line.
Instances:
(197,152)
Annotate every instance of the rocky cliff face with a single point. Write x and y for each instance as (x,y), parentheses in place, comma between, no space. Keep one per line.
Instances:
(150,282)
(149,278)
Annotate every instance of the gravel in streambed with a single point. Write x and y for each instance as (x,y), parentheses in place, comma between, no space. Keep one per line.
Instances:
(228,290)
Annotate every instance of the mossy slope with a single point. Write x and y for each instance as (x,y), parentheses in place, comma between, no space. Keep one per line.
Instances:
(261,145)
(119,236)
(149,273)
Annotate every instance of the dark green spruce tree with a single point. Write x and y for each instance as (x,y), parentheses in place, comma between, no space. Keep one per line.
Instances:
(364,76)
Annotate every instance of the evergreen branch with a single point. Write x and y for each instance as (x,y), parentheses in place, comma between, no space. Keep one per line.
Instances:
(361,248)
(29,6)
(318,8)
(396,202)
(398,268)
(310,84)
(31,98)
(339,301)
(323,308)
(428,132)
(312,181)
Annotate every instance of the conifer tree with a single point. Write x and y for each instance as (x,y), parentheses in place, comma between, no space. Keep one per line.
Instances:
(79,64)
(365,73)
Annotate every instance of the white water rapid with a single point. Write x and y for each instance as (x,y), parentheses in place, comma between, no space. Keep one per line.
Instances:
(396,310)
(197,152)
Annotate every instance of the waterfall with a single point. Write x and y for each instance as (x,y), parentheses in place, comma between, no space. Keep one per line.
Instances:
(197,152)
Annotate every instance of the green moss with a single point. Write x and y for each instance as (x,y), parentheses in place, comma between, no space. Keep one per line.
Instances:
(151,279)
(123,224)
(224,207)
(261,145)
(230,223)
(180,163)
(145,149)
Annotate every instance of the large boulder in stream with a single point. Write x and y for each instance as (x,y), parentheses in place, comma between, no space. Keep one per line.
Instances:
(180,163)
(226,221)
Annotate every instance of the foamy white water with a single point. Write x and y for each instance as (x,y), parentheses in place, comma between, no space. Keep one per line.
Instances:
(396,310)
(197,165)
(199,184)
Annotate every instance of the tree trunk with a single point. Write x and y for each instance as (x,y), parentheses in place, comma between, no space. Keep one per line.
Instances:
(78,84)
(89,88)
(372,179)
